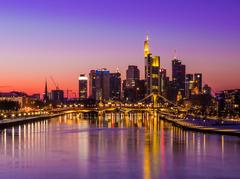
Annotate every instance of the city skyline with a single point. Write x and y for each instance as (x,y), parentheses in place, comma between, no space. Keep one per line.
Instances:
(40,41)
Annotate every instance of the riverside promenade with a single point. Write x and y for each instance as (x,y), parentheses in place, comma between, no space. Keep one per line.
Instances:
(225,127)
(6,123)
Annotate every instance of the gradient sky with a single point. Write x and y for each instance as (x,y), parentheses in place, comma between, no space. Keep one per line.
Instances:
(63,38)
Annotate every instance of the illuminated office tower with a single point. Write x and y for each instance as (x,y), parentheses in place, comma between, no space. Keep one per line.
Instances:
(152,68)
(115,86)
(198,82)
(99,83)
(83,86)
(163,82)
(92,84)
(146,47)
(133,87)
(178,77)
(207,90)
(132,75)
(189,85)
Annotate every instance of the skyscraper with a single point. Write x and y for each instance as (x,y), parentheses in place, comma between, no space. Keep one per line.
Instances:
(207,90)
(163,82)
(152,68)
(83,86)
(189,85)
(99,84)
(115,86)
(178,76)
(57,96)
(132,75)
(198,82)
(146,47)
(92,84)
(133,87)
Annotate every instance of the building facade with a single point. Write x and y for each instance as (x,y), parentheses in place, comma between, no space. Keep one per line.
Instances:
(99,84)
(57,96)
(198,82)
(115,86)
(152,70)
(82,87)
(178,76)
(228,102)
(133,87)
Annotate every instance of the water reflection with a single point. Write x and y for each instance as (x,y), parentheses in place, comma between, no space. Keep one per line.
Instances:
(136,145)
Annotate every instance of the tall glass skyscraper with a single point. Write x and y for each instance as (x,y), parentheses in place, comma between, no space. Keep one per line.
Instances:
(83,86)
(178,76)
(152,70)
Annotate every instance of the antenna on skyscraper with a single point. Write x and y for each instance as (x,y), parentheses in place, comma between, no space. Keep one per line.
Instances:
(175,54)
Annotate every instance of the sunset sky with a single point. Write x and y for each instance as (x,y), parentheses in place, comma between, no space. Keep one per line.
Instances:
(63,38)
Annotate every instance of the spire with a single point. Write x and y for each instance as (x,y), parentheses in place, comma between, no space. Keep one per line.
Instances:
(175,54)
(146,47)
(147,38)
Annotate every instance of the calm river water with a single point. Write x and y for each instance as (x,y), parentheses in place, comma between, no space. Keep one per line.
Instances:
(70,147)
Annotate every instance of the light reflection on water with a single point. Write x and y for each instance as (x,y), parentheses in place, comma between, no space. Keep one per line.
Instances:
(116,145)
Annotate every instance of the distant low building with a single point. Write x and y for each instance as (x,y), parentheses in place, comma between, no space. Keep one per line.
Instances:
(35,96)
(20,97)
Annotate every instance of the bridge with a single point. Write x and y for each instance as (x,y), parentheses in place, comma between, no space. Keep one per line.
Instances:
(153,103)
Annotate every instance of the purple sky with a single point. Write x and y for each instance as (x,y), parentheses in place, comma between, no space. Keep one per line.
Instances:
(63,38)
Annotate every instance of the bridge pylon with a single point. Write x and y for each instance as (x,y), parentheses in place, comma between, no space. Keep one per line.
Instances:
(154,100)
(100,104)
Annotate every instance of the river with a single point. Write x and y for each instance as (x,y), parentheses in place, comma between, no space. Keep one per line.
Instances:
(115,147)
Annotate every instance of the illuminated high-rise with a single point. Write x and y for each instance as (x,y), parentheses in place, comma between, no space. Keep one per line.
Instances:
(146,47)
(83,86)
(163,82)
(152,69)
(115,86)
(133,87)
(189,85)
(132,75)
(178,77)
(99,83)
(92,84)
(198,82)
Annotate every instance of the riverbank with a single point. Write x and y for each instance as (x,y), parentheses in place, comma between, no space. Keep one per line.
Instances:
(24,120)
(209,126)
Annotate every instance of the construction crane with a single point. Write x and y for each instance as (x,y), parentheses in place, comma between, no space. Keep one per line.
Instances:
(70,92)
(55,84)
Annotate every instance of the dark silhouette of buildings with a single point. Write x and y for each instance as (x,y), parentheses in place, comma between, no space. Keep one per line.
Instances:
(57,96)
(45,94)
